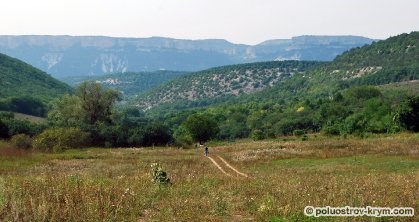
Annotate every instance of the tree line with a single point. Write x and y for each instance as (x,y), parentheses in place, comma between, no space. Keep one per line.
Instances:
(91,117)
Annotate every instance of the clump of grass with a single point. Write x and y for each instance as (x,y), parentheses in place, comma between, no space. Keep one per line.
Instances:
(220,207)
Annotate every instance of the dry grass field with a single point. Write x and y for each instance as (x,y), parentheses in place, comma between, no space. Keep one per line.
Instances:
(283,176)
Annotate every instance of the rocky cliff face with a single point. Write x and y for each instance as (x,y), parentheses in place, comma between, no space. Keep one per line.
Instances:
(96,55)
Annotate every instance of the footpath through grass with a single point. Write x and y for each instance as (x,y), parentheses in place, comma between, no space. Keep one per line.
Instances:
(284,176)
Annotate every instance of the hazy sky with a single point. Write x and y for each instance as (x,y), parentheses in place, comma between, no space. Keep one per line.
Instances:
(239,21)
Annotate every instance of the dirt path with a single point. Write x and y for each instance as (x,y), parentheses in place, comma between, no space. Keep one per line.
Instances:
(234,169)
(219,167)
(228,165)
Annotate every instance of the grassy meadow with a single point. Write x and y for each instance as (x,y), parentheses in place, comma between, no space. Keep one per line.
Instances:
(285,175)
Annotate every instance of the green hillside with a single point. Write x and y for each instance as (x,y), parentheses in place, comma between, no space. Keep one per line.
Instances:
(362,91)
(23,85)
(21,79)
(128,83)
(222,82)
(396,55)
(393,60)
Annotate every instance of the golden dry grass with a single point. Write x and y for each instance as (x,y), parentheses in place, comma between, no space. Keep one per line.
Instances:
(284,176)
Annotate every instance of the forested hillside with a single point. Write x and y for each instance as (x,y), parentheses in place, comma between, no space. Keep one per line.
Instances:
(357,93)
(26,89)
(129,83)
(372,89)
(222,82)
(392,60)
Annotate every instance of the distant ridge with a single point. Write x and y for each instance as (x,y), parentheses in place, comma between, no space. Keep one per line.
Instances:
(96,55)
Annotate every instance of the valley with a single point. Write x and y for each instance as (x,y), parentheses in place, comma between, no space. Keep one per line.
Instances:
(282,135)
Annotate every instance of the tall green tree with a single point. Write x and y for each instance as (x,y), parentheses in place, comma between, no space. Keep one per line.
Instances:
(91,105)
(4,131)
(408,114)
(66,111)
(201,127)
(96,102)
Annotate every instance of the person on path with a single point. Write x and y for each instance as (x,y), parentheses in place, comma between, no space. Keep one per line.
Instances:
(206,151)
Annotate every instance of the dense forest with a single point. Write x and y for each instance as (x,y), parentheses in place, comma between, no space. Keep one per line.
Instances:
(26,89)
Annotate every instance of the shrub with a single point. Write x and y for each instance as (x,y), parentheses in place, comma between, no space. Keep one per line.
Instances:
(202,127)
(330,130)
(156,134)
(298,132)
(17,126)
(58,139)
(159,176)
(257,134)
(4,130)
(408,114)
(21,141)
(182,138)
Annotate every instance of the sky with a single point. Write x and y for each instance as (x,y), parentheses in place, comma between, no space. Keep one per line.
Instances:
(238,21)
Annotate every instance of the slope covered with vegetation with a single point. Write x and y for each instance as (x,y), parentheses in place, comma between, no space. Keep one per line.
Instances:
(222,82)
(392,60)
(396,59)
(294,98)
(357,93)
(128,83)
(24,88)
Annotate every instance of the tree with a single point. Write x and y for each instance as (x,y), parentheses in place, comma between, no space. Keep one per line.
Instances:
(66,111)
(92,104)
(59,139)
(201,127)
(96,102)
(156,134)
(4,130)
(408,114)
(182,137)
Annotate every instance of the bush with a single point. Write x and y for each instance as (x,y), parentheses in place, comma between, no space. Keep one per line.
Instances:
(257,134)
(202,127)
(21,141)
(59,139)
(408,114)
(298,132)
(26,105)
(156,134)
(159,176)
(4,130)
(17,126)
(182,138)
(331,129)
